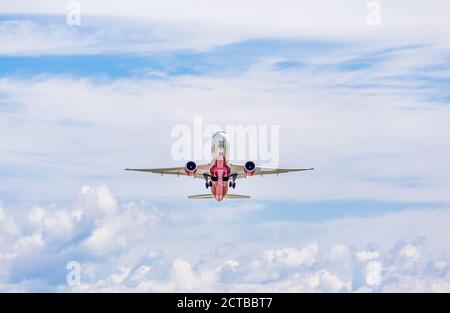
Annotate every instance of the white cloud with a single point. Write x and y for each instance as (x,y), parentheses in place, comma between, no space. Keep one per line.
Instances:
(51,237)
(98,198)
(410,252)
(400,161)
(186,279)
(331,283)
(292,257)
(116,252)
(339,252)
(7,225)
(26,37)
(117,232)
(58,226)
(205,24)
(367,255)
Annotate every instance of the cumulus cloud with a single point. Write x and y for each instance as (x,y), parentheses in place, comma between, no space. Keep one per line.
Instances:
(292,257)
(94,226)
(339,252)
(367,255)
(410,252)
(112,243)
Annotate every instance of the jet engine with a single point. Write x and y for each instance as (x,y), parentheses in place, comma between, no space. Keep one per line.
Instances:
(250,168)
(190,168)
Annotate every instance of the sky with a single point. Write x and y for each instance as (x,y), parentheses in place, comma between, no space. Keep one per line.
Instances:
(368,106)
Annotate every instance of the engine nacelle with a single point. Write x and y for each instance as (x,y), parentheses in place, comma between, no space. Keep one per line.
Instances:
(190,168)
(250,168)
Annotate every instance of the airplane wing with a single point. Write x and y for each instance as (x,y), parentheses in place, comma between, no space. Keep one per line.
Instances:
(201,169)
(239,170)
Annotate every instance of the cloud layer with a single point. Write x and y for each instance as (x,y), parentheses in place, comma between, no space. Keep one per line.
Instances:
(113,244)
(372,128)
(201,25)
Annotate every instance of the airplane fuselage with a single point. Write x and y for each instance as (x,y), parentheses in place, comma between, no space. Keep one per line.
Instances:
(220,169)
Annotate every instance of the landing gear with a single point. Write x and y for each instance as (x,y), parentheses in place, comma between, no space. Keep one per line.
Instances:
(233,181)
(208,182)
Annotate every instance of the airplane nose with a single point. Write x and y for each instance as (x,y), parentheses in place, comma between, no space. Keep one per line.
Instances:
(220,135)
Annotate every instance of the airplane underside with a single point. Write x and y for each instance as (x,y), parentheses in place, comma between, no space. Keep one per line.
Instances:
(219,179)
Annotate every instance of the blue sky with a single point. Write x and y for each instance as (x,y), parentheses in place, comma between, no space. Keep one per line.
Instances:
(367,107)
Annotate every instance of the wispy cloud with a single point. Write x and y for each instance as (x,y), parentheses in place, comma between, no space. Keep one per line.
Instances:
(375,131)
(148,26)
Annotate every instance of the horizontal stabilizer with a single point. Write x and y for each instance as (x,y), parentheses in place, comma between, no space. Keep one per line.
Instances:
(210,196)
(234,196)
(204,196)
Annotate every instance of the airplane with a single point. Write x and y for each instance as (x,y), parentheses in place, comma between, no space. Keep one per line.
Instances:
(220,174)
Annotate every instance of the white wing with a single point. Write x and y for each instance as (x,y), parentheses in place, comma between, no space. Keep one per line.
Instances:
(261,171)
(201,169)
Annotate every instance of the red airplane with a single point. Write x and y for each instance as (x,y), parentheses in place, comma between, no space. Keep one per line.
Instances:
(220,173)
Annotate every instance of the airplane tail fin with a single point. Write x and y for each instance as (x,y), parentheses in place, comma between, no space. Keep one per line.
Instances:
(210,196)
